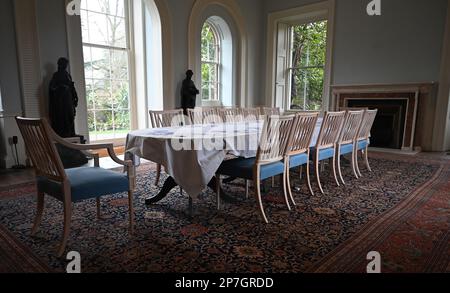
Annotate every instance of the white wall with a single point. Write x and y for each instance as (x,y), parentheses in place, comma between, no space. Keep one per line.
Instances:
(52,40)
(402,45)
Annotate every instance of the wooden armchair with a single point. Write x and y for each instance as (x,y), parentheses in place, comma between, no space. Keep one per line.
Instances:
(71,185)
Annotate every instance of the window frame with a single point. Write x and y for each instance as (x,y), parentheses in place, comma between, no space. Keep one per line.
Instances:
(217,63)
(290,68)
(306,13)
(129,49)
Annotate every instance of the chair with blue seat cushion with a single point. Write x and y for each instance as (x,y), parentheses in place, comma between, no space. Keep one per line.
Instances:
(71,185)
(347,139)
(270,159)
(363,138)
(302,133)
(325,147)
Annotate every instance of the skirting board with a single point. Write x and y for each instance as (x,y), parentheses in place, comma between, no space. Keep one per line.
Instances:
(395,151)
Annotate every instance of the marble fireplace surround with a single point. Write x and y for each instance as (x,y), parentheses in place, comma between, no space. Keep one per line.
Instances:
(420,112)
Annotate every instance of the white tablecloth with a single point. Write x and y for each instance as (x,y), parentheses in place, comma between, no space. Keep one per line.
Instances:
(207,147)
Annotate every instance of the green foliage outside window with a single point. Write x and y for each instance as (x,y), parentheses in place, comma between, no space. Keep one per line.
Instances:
(308,61)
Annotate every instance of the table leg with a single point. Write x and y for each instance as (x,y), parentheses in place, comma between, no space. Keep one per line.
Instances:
(170,184)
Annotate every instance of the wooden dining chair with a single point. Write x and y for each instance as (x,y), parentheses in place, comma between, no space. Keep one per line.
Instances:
(71,185)
(326,143)
(270,159)
(347,139)
(204,116)
(231,115)
(169,118)
(302,133)
(251,114)
(271,111)
(363,138)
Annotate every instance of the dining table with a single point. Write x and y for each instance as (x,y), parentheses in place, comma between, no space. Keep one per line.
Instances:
(191,154)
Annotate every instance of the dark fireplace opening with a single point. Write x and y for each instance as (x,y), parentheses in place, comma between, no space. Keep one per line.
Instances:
(389,126)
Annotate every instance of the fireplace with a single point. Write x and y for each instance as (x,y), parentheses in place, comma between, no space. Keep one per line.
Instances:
(389,126)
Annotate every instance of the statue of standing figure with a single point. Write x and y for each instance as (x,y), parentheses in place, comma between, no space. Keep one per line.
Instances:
(63,101)
(189,92)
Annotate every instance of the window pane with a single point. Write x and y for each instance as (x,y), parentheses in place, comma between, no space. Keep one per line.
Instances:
(307,89)
(309,45)
(116,32)
(87,62)
(102,94)
(112,7)
(120,97)
(84,26)
(100,63)
(122,122)
(119,65)
(90,96)
(98,29)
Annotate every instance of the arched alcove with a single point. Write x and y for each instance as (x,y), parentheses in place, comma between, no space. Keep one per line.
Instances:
(225,14)
(222,66)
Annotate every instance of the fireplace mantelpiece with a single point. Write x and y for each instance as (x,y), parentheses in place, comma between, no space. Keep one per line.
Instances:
(419,113)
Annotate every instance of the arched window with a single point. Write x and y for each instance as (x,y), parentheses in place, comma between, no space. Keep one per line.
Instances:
(211,63)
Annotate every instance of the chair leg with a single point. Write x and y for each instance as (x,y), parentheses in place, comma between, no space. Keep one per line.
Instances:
(334,170)
(357,165)
(354,165)
(301,172)
(131,211)
(308,178)
(158,174)
(99,214)
(273,182)
(318,174)
(40,211)
(339,167)
(366,158)
(258,198)
(286,199)
(66,230)
(289,189)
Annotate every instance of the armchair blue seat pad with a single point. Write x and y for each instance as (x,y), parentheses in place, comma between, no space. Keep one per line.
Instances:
(323,153)
(243,168)
(298,160)
(86,183)
(346,149)
(362,144)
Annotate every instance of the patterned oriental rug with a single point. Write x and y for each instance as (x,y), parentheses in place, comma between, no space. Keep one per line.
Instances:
(401,210)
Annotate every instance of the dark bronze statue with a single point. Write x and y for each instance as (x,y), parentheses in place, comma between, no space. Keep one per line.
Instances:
(63,101)
(188,92)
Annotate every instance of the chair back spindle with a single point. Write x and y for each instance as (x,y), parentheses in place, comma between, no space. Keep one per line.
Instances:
(171,118)
(366,125)
(275,139)
(302,132)
(271,111)
(352,122)
(40,147)
(251,114)
(330,130)
(230,115)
